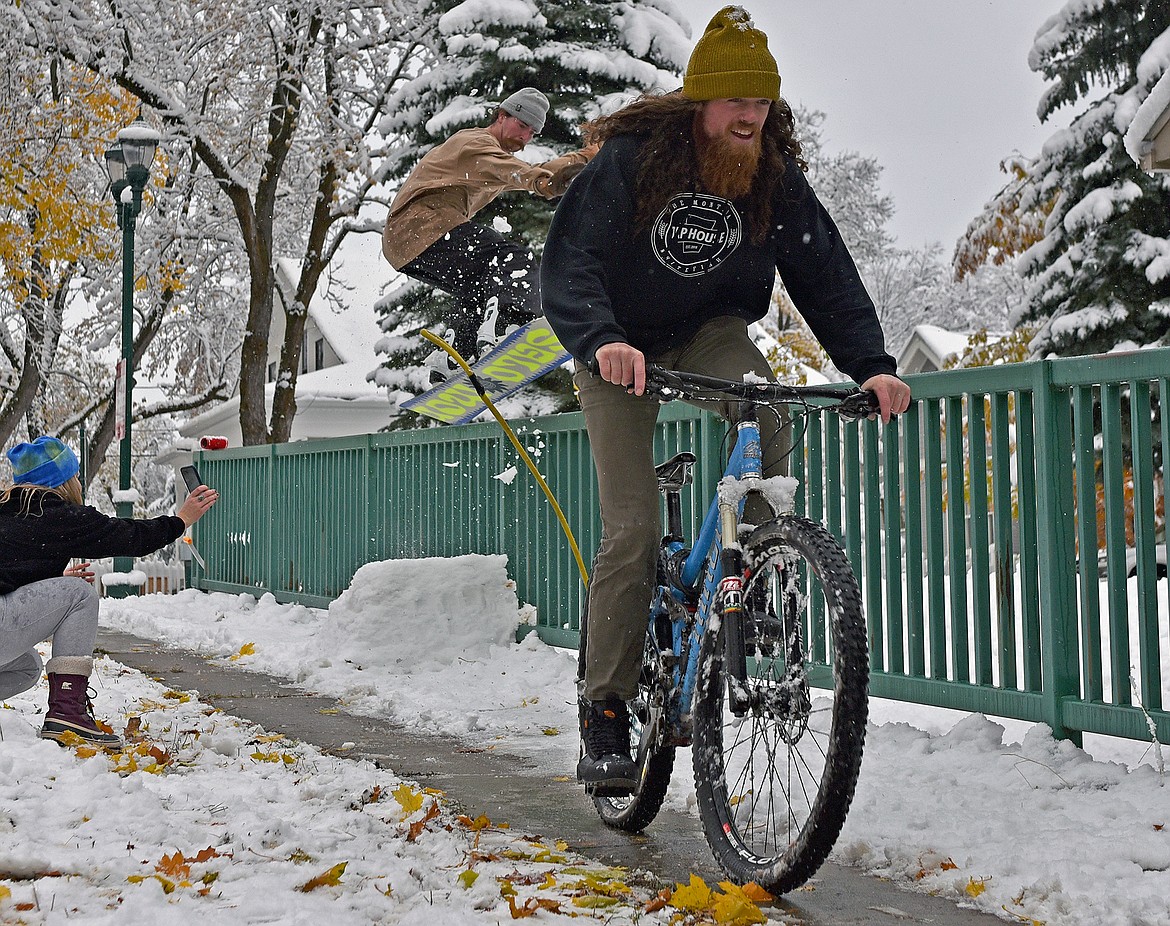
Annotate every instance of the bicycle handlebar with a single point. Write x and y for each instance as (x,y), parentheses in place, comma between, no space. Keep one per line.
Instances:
(851,403)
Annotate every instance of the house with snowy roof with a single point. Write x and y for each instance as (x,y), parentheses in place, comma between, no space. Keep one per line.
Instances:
(334,398)
(930,347)
(1148,138)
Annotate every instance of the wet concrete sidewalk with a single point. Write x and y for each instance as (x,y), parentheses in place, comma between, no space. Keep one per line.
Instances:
(512,790)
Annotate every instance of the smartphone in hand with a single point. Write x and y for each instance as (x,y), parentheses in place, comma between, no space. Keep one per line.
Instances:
(191,477)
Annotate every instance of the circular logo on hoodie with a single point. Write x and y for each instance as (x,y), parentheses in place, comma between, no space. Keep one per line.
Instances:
(695,233)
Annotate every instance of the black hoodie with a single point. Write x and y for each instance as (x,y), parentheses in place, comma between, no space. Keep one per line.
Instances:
(602,282)
(39,543)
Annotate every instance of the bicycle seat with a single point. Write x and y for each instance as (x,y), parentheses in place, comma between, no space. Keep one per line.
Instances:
(675,473)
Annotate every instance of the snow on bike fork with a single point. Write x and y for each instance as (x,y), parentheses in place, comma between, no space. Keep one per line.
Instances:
(778,491)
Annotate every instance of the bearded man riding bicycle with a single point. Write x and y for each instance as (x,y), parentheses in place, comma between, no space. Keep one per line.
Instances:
(665,248)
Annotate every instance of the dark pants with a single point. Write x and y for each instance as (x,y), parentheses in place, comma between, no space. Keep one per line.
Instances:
(621,437)
(473,264)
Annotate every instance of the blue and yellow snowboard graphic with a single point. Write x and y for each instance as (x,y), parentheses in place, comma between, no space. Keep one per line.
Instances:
(522,357)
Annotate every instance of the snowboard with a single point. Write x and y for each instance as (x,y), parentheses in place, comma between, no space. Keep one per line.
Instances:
(520,358)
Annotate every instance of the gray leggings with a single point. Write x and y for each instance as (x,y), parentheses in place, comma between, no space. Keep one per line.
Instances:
(65,609)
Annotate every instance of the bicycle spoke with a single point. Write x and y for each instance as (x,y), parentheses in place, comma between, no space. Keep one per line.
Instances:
(768,819)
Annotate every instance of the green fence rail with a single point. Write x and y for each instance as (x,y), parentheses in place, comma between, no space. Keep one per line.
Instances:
(993,528)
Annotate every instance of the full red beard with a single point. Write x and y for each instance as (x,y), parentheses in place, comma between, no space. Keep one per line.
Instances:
(727,167)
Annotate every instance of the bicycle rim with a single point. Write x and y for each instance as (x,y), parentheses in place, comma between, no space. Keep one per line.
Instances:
(774,786)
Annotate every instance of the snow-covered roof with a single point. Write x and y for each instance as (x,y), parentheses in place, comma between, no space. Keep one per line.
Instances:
(1151,119)
(343,305)
(929,347)
(345,382)
(1147,136)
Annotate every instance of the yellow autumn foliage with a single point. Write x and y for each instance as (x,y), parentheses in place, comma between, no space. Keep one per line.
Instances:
(53,208)
(731,906)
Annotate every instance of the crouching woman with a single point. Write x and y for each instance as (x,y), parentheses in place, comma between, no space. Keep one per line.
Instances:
(43,525)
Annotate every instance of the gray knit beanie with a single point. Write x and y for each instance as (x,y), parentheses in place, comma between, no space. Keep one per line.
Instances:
(528,105)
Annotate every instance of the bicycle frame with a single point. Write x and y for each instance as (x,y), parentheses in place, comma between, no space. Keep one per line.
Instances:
(724,665)
(716,544)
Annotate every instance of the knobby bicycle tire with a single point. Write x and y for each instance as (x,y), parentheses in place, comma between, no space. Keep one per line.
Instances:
(632,813)
(775,785)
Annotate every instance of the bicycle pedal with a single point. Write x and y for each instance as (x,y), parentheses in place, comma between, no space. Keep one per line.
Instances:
(614,789)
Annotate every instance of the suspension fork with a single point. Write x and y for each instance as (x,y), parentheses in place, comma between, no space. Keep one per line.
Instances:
(731,599)
(731,611)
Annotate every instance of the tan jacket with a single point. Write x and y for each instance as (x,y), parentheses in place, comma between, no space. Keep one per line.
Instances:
(456,179)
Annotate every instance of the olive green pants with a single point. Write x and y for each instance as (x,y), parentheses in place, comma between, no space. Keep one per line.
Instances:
(621,437)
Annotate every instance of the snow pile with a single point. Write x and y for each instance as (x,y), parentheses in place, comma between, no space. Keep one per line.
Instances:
(428,642)
(412,614)
(1040,830)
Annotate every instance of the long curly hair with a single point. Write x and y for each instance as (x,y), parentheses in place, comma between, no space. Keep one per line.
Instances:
(670,163)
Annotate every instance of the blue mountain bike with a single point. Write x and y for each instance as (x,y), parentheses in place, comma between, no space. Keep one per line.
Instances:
(741,626)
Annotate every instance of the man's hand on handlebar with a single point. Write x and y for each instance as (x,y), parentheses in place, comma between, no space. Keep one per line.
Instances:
(893,394)
(622,365)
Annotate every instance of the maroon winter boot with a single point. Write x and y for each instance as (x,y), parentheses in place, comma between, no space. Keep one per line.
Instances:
(69,707)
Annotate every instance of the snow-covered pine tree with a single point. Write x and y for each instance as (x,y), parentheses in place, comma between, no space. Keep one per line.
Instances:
(1099,278)
(585,56)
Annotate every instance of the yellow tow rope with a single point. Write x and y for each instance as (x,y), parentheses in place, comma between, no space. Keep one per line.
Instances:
(478,386)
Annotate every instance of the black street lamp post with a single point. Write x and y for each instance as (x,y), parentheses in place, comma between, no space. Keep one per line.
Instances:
(128,165)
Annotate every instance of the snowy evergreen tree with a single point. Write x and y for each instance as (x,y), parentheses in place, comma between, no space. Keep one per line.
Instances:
(585,56)
(1099,278)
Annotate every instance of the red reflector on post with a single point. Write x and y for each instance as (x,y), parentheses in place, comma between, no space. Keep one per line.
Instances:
(213,443)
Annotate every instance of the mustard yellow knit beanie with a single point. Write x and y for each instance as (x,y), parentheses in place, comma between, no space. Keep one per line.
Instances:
(732,60)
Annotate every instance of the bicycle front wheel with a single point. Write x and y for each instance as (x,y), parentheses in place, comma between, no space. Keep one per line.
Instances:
(775,783)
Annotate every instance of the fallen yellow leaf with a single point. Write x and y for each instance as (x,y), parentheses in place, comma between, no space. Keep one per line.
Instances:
(332,877)
(733,908)
(691,897)
(594,901)
(408,798)
(248,649)
(975,887)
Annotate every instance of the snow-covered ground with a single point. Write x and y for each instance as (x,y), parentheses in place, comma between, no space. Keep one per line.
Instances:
(207,816)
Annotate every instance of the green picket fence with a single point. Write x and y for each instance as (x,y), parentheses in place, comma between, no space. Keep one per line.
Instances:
(993,528)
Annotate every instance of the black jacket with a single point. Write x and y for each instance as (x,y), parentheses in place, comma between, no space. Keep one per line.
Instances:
(39,544)
(601,282)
